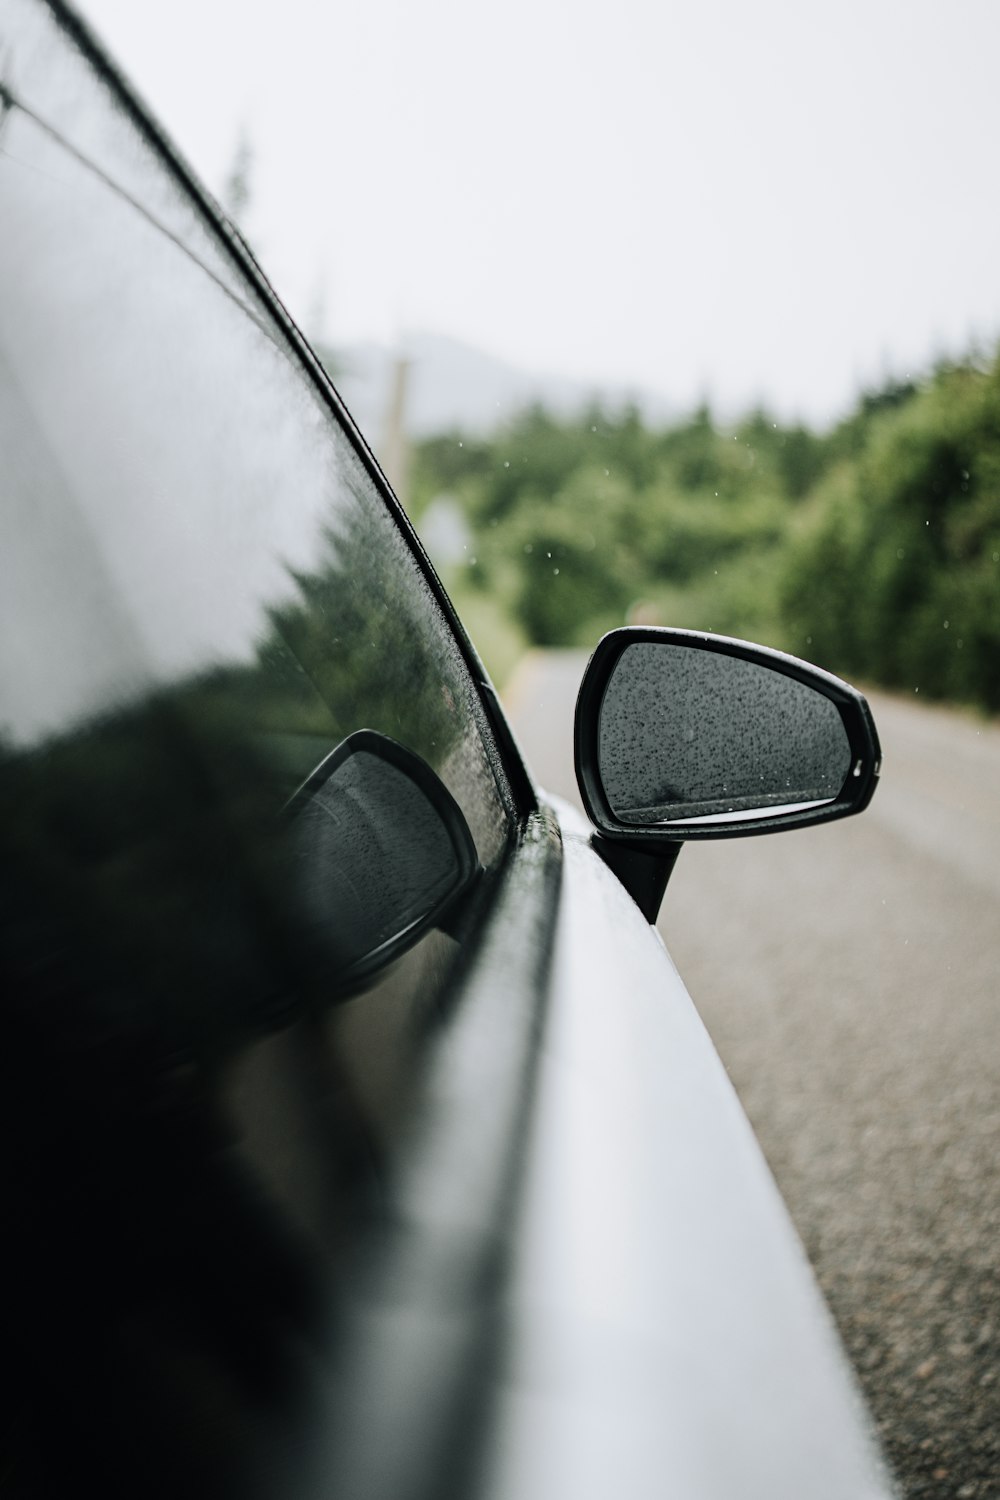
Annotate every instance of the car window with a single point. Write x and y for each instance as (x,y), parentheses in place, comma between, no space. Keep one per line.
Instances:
(204,594)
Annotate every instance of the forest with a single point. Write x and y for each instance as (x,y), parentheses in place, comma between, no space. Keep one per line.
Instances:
(872,549)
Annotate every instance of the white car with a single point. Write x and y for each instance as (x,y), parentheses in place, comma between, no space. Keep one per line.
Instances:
(360,1138)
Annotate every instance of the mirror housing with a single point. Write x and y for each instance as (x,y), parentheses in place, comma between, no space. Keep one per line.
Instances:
(682,735)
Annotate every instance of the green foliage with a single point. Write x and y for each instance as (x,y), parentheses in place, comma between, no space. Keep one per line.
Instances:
(869,548)
(894,569)
(579,525)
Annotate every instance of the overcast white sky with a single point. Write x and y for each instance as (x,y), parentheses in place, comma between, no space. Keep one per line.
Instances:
(776,201)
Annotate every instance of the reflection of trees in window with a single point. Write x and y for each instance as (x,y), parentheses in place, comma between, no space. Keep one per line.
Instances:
(152,839)
(361,633)
(141,855)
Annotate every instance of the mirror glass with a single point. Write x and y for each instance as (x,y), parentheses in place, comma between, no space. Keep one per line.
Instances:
(689,736)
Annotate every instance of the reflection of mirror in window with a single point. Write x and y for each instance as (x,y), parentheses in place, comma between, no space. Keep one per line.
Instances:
(380,851)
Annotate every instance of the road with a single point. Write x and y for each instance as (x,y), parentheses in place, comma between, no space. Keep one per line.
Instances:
(850,977)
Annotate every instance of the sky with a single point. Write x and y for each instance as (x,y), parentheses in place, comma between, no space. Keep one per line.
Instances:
(779,202)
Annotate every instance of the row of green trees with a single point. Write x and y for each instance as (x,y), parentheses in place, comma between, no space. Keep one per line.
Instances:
(873,549)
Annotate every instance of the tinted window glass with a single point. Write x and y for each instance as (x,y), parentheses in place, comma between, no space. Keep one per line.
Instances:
(203,595)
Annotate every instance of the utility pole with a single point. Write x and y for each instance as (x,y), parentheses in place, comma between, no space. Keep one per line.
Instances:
(395,445)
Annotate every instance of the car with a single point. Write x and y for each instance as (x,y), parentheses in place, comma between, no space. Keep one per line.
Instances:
(360,1138)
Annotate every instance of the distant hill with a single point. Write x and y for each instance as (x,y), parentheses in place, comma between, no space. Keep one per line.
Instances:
(451,385)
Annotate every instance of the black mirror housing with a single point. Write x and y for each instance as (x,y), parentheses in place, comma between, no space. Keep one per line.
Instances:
(682,735)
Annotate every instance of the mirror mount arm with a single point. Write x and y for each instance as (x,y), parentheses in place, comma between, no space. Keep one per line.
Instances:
(643,872)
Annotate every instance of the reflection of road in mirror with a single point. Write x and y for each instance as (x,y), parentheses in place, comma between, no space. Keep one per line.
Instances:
(740,815)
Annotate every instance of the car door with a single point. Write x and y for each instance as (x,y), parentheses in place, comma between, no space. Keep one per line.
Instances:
(487,1219)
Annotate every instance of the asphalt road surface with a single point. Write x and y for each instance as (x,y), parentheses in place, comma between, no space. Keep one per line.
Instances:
(850,977)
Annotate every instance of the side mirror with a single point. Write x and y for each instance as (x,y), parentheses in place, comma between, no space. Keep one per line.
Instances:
(380,852)
(682,735)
